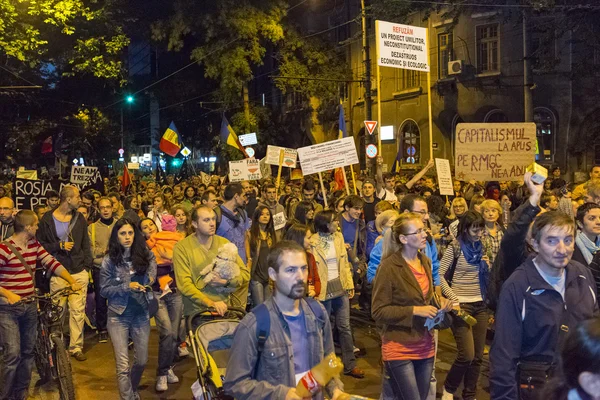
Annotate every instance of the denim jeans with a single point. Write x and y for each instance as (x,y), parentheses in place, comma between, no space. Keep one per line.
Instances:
(101,304)
(340,309)
(168,319)
(408,379)
(76,307)
(470,342)
(120,329)
(259,292)
(18,332)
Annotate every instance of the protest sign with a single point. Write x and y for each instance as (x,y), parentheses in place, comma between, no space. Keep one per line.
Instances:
(327,156)
(265,169)
(81,175)
(494,151)
(29,193)
(279,221)
(444,175)
(296,174)
(205,178)
(244,170)
(401,46)
(289,156)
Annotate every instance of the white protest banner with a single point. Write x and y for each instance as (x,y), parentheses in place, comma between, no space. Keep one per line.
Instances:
(444,175)
(401,46)
(82,175)
(289,156)
(205,178)
(327,156)
(494,151)
(244,170)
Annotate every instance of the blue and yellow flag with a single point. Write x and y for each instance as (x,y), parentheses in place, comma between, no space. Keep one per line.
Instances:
(229,137)
(342,123)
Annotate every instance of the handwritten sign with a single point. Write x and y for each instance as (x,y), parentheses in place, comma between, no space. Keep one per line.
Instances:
(444,175)
(82,175)
(279,221)
(327,156)
(29,193)
(494,151)
(289,156)
(244,170)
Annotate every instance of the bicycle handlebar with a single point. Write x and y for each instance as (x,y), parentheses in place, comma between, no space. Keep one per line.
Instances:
(66,291)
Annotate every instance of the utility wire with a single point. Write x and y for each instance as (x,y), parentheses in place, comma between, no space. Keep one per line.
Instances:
(17,75)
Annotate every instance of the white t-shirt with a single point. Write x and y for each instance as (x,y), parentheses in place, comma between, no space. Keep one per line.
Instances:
(387,195)
(333,271)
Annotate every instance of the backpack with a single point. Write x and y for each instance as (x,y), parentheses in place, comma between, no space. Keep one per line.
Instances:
(263,323)
(449,275)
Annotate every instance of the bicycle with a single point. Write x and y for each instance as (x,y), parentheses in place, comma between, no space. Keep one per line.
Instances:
(52,359)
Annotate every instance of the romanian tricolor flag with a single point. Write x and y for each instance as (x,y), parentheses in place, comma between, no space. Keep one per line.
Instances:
(229,137)
(338,174)
(169,143)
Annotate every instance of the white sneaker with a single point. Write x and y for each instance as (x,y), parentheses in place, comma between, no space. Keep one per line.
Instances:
(447,396)
(183,351)
(161,383)
(171,377)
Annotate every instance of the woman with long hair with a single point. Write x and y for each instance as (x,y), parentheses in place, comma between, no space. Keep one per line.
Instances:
(301,234)
(182,217)
(159,209)
(579,377)
(304,214)
(127,271)
(188,198)
(337,285)
(170,305)
(259,240)
(402,295)
(290,205)
(464,272)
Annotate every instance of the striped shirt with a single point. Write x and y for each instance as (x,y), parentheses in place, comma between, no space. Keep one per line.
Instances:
(13,274)
(465,282)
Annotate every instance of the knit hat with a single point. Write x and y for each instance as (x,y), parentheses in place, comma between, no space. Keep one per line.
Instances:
(169,223)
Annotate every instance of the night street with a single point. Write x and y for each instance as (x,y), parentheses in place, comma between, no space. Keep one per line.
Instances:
(95,378)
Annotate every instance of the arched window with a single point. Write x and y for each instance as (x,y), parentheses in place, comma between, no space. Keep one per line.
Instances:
(410,142)
(545,123)
(496,115)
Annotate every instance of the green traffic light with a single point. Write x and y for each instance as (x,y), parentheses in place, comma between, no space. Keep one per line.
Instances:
(129,99)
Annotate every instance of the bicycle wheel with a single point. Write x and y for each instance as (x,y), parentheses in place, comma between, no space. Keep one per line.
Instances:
(42,357)
(62,364)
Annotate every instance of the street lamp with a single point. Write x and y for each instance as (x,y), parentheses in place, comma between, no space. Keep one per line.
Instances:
(129,99)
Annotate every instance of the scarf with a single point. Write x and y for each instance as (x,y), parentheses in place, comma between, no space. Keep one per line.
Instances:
(325,240)
(587,247)
(473,252)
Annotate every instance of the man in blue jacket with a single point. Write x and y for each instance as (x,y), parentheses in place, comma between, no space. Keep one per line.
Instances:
(540,301)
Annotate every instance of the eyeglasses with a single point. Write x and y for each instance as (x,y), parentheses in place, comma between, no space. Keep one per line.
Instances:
(423,212)
(418,232)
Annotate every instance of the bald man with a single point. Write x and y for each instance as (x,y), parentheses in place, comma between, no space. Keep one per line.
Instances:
(7,221)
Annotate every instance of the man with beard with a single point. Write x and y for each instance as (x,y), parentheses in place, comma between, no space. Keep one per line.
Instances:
(7,222)
(267,364)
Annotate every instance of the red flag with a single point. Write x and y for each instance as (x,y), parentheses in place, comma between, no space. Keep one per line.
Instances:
(47,145)
(339,179)
(126,179)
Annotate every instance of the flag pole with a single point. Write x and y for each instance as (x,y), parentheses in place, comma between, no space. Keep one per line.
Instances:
(281,154)
(353,180)
(346,181)
(323,191)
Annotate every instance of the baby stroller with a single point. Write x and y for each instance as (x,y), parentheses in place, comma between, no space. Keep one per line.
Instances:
(211,337)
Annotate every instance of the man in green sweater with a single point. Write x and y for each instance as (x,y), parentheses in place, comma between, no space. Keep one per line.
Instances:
(192,255)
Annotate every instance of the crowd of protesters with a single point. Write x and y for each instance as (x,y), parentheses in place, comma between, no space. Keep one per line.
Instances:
(516,258)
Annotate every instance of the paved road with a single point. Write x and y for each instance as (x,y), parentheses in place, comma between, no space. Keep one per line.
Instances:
(96,378)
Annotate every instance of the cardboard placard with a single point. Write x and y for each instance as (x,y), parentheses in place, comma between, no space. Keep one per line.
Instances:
(494,151)
(81,174)
(244,170)
(327,156)
(279,221)
(444,176)
(289,156)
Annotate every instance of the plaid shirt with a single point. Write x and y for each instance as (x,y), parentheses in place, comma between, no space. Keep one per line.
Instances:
(491,244)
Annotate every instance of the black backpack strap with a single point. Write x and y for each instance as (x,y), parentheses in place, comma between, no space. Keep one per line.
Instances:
(449,275)
(263,328)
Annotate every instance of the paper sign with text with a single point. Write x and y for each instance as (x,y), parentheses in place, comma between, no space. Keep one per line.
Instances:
(401,46)
(444,175)
(494,151)
(29,193)
(244,170)
(289,156)
(82,175)
(279,221)
(327,156)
